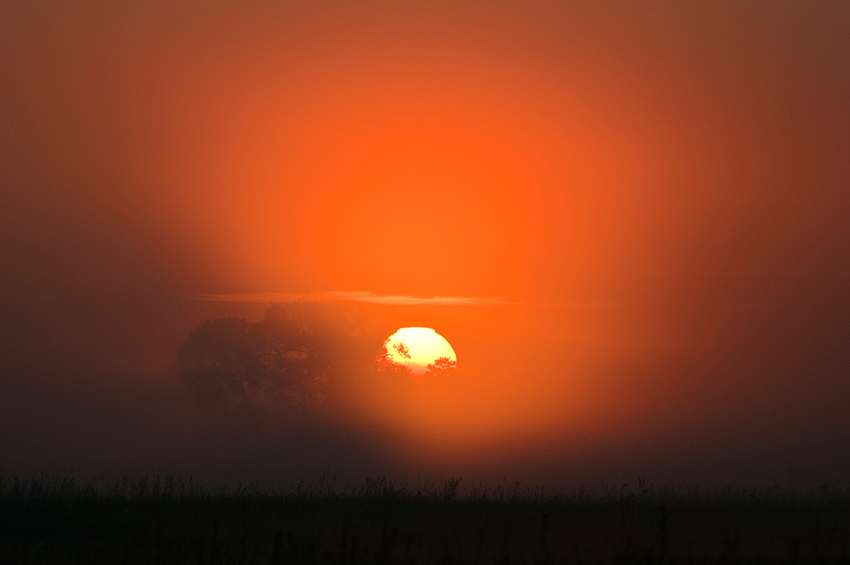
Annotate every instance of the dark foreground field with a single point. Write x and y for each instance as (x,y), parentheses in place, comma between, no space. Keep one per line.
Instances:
(56,520)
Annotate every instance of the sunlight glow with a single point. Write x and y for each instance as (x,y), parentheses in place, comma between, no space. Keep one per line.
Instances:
(424,345)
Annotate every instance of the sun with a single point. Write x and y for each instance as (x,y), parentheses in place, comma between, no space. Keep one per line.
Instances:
(416,348)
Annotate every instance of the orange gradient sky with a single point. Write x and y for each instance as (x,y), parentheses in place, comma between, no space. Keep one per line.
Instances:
(629,220)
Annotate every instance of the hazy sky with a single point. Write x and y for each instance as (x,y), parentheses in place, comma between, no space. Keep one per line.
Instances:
(644,206)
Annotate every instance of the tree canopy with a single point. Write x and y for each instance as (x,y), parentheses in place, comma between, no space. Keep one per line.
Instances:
(441,367)
(218,360)
(293,355)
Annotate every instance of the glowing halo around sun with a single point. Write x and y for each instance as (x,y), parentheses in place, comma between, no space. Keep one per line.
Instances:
(424,346)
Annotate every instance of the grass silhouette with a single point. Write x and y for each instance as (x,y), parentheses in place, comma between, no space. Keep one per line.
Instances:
(56,519)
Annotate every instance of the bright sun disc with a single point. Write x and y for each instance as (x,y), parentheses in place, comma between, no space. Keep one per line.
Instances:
(424,346)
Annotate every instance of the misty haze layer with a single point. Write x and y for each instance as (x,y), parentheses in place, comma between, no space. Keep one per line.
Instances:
(645,205)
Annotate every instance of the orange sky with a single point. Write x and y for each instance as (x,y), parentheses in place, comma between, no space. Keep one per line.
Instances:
(645,206)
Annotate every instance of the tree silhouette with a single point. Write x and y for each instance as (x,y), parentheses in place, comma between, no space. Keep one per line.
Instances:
(293,355)
(441,367)
(218,360)
(385,361)
(303,347)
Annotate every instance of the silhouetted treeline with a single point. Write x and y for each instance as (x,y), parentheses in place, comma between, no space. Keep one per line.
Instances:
(295,356)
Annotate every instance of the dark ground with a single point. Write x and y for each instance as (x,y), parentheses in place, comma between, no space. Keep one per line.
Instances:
(172,521)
